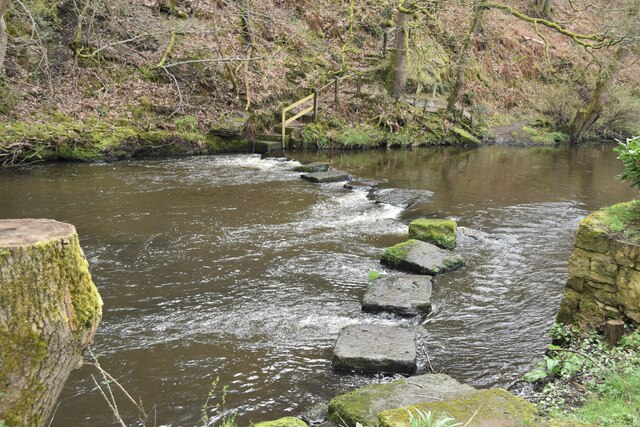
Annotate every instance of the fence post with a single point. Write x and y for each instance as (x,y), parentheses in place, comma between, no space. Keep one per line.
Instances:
(315,105)
(385,40)
(284,115)
(337,91)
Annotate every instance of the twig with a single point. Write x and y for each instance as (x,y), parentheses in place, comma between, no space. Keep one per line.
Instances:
(474,415)
(199,61)
(114,410)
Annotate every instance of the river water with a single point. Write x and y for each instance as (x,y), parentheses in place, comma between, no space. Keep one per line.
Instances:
(233,267)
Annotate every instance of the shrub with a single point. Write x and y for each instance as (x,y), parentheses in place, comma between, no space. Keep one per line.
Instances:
(629,153)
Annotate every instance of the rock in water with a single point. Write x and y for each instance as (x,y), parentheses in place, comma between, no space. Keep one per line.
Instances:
(420,257)
(49,312)
(363,404)
(376,348)
(312,167)
(406,295)
(283,422)
(495,407)
(399,197)
(440,232)
(326,177)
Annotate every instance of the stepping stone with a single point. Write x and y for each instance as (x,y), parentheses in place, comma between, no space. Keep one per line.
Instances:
(325,177)
(361,185)
(440,232)
(408,295)
(363,404)
(399,197)
(282,422)
(420,257)
(263,147)
(376,348)
(495,407)
(312,167)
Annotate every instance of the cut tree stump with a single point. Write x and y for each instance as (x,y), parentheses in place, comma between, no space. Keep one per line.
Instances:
(49,312)
(613,331)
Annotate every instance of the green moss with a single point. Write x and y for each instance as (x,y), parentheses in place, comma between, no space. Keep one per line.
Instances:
(395,255)
(465,136)
(283,422)
(544,136)
(440,232)
(356,407)
(489,407)
(623,218)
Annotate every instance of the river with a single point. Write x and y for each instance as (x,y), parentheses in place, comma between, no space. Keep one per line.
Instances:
(233,267)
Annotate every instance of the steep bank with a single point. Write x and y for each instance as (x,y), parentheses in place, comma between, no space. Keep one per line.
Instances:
(162,66)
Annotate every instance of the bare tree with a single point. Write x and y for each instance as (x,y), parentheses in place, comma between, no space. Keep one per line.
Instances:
(400,63)
(3,34)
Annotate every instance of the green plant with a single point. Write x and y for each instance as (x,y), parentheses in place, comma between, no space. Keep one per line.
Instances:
(187,124)
(373,274)
(629,153)
(217,409)
(428,419)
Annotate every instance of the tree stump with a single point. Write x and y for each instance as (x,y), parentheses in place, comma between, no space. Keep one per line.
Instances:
(49,312)
(613,331)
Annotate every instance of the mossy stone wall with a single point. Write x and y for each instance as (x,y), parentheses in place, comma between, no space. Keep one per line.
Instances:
(604,272)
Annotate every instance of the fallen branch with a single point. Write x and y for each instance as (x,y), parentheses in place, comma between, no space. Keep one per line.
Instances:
(200,61)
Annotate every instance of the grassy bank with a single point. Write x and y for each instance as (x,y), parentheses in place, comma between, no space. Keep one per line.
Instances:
(583,380)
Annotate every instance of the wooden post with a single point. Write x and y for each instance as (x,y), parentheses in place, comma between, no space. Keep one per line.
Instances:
(337,91)
(284,116)
(613,331)
(385,41)
(49,312)
(315,105)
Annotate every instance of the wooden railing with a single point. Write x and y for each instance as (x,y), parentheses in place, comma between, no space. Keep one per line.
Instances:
(315,96)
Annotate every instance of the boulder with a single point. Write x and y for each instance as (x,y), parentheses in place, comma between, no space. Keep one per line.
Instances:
(283,422)
(440,232)
(399,197)
(495,407)
(420,257)
(229,126)
(376,348)
(364,404)
(407,295)
(326,177)
(362,184)
(312,167)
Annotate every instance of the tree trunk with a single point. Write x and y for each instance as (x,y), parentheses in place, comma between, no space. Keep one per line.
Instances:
(543,8)
(465,56)
(49,312)
(586,117)
(400,64)
(3,35)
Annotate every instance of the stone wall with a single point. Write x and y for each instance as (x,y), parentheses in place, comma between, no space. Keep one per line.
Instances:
(605,274)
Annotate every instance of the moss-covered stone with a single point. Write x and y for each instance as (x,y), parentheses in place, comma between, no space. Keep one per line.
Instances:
(283,422)
(465,136)
(440,232)
(420,257)
(363,405)
(496,407)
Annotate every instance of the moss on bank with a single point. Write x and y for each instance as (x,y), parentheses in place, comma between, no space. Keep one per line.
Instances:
(93,140)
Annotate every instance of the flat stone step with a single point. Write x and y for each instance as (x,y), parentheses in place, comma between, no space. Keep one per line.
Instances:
(420,257)
(363,404)
(263,147)
(406,295)
(312,167)
(268,137)
(399,197)
(328,176)
(496,408)
(376,348)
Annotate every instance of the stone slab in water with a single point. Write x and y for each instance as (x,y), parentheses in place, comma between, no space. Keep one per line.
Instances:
(312,167)
(364,404)
(440,232)
(376,348)
(283,422)
(495,407)
(326,177)
(406,295)
(420,257)
(399,197)
(263,147)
